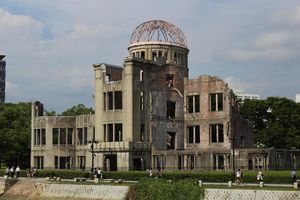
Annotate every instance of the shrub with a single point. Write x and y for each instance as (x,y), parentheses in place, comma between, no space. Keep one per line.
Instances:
(152,189)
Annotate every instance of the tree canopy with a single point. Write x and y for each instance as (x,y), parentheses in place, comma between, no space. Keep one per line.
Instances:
(276,121)
(15,133)
(80,109)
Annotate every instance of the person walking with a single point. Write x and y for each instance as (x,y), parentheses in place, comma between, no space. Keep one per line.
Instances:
(99,173)
(18,171)
(259,177)
(293,176)
(12,172)
(238,176)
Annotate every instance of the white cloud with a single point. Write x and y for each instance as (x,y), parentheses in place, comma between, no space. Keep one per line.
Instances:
(274,39)
(290,17)
(237,84)
(271,54)
(13,89)
(9,20)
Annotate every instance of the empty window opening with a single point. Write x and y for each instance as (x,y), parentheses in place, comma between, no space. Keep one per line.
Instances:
(70,136)
(216,102)
(110,132)
(104,101)
(142,101)
(137,54)
(194,134)
(43,132)
(218,161)
(242,141)
(85,135)
(39,162)
(104,133)
(143,54)
(193,103)
(80,136)
(169,80)
(107,78)
(38,137)
(118,99)
(154,55)
(191,161)
(55,136)
(62,136)
(171,138)
(118,133)
(171,107)
(110,100)
(217,133)
(81,162)
(142,133)
(180,162)
(62,162)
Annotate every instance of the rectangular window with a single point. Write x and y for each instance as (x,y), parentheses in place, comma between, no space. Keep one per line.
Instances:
(34,137)
(56,162)
(79,136)
(194,134)
(171,107)
(118,133)
(62,136)
(193,103)
(169,80)
(217,133)
(143,54)
(43,132)
(55,136)
(118,99)
(81,162)
(38,140)
(110,101)
(142,133)
(171,138)
(216,102)
(142,101)
(110,132)
(104,133)
(70,136)
(39,162)
(104,101)
(141,75)
(85,136)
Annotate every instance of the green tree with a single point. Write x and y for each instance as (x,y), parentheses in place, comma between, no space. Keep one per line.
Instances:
(15,133)
(80,109)
(276,121)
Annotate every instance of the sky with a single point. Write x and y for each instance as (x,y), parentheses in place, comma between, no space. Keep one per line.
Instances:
(50,45)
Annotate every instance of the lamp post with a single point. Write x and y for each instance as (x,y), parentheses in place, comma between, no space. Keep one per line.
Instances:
(92,142)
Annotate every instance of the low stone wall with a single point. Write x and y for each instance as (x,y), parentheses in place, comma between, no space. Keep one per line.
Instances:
(235,194)
(86,191)
(2,186)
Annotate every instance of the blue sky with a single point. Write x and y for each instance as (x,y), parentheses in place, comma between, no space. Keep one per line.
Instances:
(51,45)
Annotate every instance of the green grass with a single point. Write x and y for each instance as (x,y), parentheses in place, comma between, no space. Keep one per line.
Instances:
(247,187)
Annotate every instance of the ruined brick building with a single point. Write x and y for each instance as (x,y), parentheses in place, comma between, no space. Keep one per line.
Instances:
(149,114)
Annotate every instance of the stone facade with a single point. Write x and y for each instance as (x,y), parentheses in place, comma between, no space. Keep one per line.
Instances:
(2,78)
(149,114)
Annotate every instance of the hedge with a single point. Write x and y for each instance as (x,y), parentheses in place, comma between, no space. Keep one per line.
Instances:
(206,176)
(153,189)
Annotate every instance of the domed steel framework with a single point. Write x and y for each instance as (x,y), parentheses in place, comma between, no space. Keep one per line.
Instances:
(158,31)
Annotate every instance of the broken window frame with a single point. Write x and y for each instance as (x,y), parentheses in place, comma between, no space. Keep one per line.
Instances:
(169,80)
(171,109)
(171,140)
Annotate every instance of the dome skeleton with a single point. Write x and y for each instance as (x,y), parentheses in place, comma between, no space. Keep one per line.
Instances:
(164,32)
